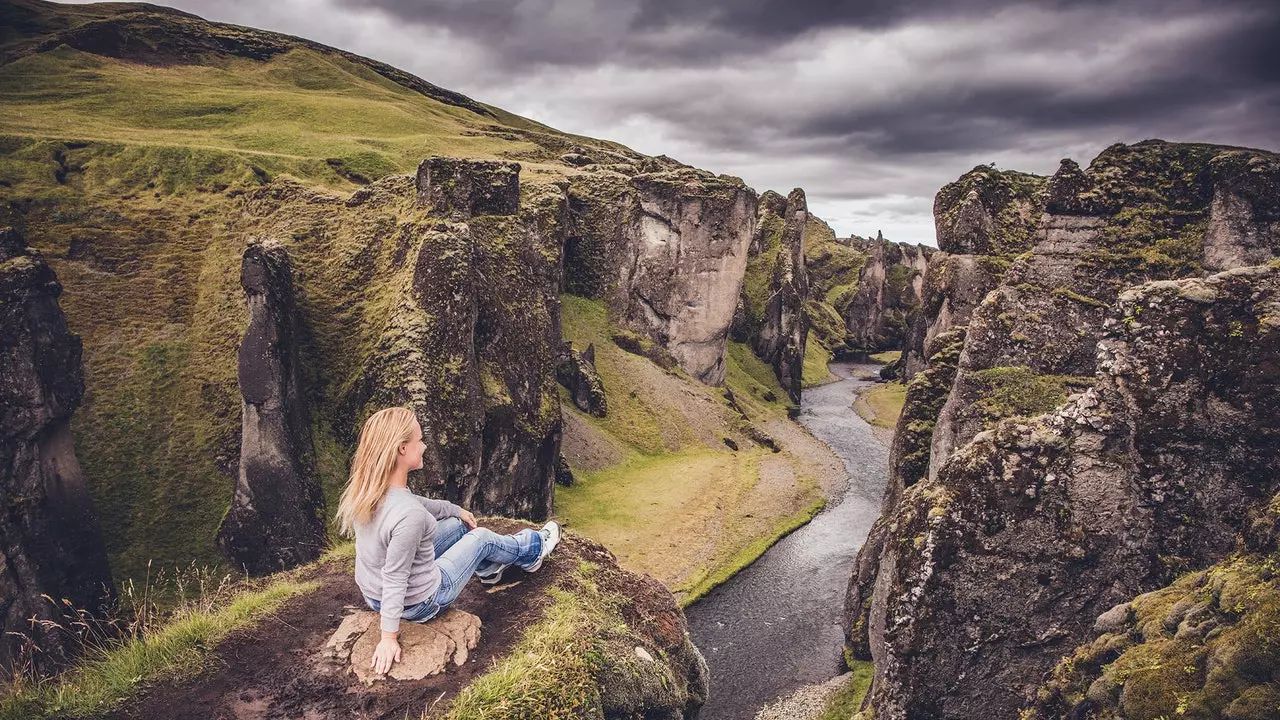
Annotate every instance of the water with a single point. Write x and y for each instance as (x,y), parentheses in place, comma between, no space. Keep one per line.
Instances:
(775,626)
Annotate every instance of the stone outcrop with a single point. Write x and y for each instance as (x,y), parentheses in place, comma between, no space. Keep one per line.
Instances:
(50,543)
(771,317)
(576,371)
(1000,566)
(276,517)
(1244,215)
(667,250)
(890,290)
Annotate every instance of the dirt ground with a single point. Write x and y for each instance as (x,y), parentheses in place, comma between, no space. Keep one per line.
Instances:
(275,670)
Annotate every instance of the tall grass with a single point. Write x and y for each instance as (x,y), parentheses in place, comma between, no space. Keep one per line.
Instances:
(162,630)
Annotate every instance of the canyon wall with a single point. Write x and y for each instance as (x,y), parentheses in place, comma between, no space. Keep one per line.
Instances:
(1011,531)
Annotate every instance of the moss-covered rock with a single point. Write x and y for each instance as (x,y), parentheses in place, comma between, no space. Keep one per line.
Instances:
(989,212)
(890,288)
(1207,646)
(999,566)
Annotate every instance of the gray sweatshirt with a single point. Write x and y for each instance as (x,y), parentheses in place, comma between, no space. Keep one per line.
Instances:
(396,554)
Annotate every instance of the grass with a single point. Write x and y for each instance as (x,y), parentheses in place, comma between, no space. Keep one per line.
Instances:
(310,114)
(816,360)
(882,404)
(550,673)
(886,357)
(170,650)
(844,702)
(687,512)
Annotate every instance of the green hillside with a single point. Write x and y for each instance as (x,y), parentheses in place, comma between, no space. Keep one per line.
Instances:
(130,136)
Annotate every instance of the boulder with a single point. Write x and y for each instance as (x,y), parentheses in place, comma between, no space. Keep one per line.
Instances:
(576,371)
(276,519)
(53,563)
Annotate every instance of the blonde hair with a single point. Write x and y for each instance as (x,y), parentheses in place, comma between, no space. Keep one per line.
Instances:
(380,440)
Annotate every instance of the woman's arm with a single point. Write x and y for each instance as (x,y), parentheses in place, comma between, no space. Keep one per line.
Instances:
(405,538)
(440,509)
(406,535)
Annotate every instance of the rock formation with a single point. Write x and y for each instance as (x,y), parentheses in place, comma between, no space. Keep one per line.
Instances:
(1000,566)
(1139,212)
(771,316)
(667,250)
(890,290)
(450,308)
(1105,478)
(276,518)
(50,544)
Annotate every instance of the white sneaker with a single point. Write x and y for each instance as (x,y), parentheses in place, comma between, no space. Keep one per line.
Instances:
(494,577)
(550,538)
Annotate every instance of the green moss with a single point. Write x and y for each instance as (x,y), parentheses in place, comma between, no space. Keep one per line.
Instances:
(1018,390)
(843,703)
(1206,646)
(752,382)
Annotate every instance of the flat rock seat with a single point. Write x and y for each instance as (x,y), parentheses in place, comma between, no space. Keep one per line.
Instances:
(426,648)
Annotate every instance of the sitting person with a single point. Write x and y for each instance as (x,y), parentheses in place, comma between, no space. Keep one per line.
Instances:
(414,554)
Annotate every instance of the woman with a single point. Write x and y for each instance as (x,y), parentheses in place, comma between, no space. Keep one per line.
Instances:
(414,554)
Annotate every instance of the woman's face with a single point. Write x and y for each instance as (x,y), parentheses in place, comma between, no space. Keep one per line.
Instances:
(411,452)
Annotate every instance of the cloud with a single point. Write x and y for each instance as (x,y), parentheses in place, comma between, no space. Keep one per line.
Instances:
(870,106)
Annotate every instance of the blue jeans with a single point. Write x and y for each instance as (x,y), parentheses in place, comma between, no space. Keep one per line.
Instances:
(461,553)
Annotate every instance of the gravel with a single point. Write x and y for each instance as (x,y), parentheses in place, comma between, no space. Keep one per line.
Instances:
(806,703)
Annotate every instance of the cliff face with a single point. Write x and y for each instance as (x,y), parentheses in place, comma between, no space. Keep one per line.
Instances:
(1001,565)
(50,544)
(1081,537)
(1139,212)
(890,290)
(276,519)
(668,251)
(771,317)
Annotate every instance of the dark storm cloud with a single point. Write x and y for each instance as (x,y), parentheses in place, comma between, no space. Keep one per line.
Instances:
(870,106)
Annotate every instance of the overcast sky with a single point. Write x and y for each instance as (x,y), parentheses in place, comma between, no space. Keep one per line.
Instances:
(869,106)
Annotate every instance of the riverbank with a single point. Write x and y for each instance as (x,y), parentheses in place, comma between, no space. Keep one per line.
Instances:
(677,480)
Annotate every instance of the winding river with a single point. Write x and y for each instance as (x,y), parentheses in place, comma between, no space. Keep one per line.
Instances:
(775,626)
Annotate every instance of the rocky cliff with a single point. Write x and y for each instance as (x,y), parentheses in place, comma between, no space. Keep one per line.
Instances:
(1122,491)
(668,251)
(890,290)
(771,317)
(52,560)
(276,520)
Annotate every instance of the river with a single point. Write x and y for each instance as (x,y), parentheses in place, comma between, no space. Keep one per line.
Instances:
(775,626)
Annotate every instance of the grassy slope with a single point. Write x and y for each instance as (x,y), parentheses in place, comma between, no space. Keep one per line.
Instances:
(680,505)
(129,173)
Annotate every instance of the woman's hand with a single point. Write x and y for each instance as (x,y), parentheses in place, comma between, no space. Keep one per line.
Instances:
(387,653)
(467,519)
